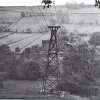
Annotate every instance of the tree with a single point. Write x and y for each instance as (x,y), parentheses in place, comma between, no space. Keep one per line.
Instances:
(33,72)
(17,49)
(5,54)
(16,31)
(20,68)
(7,30)
(22,14)
(78,73)
(16,69)
(28,30)
(95,39)
(26,53)
(1,28)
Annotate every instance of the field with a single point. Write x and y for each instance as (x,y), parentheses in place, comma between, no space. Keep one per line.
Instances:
(27,90)
(71,28)
(20,44)
(29,22)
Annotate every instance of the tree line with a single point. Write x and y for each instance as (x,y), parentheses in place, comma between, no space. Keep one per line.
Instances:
(80,64)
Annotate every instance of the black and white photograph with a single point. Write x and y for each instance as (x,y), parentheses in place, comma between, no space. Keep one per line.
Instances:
(50,49)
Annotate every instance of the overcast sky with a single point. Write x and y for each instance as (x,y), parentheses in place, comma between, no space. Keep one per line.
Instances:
(38,2)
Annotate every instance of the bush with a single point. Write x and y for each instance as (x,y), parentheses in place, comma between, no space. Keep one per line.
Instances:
(78,70)
(17,49)
(95,39)
(33,71)
(28,30)
(22,70)
(76,89)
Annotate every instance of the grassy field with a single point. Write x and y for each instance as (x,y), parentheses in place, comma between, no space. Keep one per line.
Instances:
(20,44)
(14,89)
(22,86)
(82,28)
(27,89)
(30,22)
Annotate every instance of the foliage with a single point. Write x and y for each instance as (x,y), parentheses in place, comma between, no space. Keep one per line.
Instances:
(66,39)
(28,30)
(5,55)
(17,49)
(1,28)
(27,53)
(33,71)
(22,14)
(20,68)
(95,39)
(78,65)
(7,30)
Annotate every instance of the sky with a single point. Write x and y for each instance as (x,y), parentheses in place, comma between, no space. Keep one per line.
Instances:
(38,2)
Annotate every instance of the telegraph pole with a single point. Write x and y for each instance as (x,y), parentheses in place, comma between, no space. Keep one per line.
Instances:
(51,79)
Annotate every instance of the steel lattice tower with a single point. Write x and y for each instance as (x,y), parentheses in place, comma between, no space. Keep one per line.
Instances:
(51,79)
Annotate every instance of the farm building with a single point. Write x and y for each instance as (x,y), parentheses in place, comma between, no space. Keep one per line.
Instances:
(45,44)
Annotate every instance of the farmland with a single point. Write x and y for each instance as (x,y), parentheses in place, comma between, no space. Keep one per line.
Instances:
(30,22)
(29,90)
(19,36)
(79,24)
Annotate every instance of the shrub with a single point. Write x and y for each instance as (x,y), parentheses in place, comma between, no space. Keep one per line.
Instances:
(28,30)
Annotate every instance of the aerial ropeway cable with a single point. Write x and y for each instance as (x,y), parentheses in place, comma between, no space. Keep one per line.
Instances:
(43,16)
(13,23)
(22,39)
(48,2)
(6,35)
(16,22)
(33,35)
(9,26)
(51,13)
(36,20)
(28,36)
(37,34)
(31,42)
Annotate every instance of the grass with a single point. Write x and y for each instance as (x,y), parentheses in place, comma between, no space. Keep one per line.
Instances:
(30,22)
(20,44)
(15,89)
(22,86)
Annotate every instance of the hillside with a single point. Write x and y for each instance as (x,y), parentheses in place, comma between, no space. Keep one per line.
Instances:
(20,44)
(23,71)
(13,14)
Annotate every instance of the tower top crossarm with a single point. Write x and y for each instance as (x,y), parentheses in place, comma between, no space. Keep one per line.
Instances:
(52,28)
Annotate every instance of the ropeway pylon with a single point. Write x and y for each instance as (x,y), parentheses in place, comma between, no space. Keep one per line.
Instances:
(51,79)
